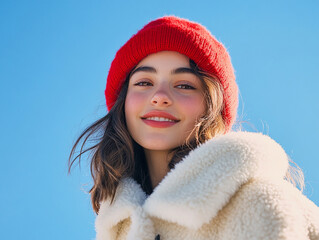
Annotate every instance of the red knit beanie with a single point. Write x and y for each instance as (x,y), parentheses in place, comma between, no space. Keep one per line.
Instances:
(171,33)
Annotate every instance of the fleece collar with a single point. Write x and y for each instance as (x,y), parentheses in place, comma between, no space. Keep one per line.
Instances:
(203,182)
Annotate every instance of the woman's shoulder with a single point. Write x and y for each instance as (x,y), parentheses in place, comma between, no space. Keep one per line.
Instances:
(250,155)
(278,194)
(254,144)
(276,208)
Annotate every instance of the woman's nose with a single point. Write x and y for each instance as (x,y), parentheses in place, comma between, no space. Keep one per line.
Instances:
(161,98)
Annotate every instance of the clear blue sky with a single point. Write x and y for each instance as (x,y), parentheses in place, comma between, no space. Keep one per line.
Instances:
(54,59)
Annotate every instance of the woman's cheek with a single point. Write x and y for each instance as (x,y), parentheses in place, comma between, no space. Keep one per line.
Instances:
(134,106)
(134,100)
(193,104)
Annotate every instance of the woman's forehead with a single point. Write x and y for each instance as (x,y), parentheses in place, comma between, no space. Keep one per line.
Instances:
(168,59)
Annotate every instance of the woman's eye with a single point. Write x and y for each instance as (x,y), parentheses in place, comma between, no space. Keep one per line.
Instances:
(143,84)
(185,86)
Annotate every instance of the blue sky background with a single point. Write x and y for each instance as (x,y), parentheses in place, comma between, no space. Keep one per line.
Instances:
(54,59)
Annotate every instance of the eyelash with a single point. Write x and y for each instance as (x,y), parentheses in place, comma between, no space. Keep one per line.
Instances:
(185,86)
(143,84)
(180,86)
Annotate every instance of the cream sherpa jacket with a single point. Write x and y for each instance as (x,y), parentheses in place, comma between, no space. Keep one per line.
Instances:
(229,188)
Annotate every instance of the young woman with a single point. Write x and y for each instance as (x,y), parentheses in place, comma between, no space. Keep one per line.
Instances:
(167,166)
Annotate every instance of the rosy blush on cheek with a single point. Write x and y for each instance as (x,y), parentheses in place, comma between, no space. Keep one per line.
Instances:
(133,101)
(134,98)
(194,105)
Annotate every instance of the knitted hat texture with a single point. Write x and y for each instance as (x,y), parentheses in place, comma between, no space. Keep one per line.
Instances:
(172,33)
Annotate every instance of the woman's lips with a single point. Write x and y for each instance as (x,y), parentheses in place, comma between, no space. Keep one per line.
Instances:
(159,119)
(159,124)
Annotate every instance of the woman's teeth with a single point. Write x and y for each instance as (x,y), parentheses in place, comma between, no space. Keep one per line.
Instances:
(160,119)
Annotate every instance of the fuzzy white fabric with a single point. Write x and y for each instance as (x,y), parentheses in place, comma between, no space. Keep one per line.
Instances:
(231,187)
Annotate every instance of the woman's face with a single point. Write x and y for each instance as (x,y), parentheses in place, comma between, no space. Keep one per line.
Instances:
(164,101)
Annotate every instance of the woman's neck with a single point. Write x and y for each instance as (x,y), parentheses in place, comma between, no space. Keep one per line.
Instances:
(157,162)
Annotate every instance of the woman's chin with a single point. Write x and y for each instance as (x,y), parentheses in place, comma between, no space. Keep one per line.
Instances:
(159,146)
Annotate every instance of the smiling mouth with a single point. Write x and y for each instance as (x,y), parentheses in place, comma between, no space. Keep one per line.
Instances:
(159,122)
(160,116)
(160,119)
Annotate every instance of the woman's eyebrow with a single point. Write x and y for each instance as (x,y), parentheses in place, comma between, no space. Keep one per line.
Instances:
(144,69)
(153,70)
(183,70)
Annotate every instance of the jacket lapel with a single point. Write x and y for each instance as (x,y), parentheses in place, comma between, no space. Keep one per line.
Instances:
(129,197)
(197,188)
(201,185)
